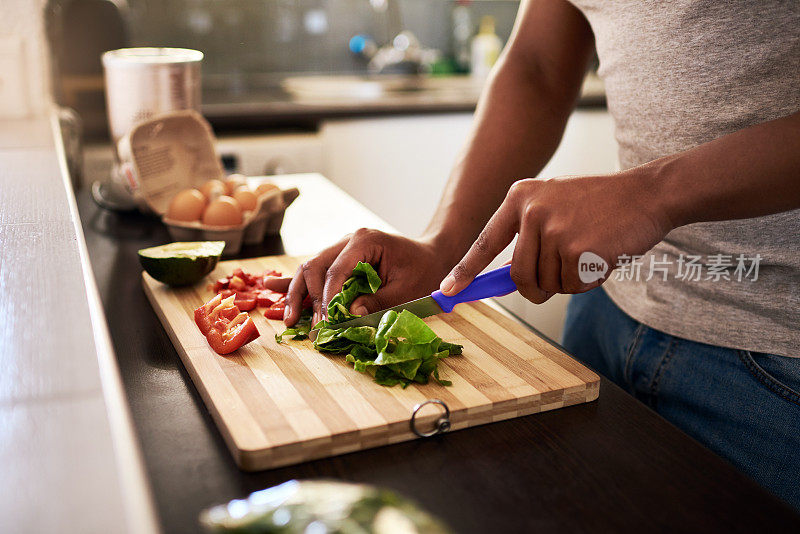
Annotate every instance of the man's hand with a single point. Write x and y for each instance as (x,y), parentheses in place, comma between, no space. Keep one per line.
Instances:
(557,220)
(408,268)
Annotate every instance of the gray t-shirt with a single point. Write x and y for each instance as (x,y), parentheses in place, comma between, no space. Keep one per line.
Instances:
(679,74)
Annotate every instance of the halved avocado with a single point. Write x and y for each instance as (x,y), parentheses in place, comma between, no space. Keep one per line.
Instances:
(181,263)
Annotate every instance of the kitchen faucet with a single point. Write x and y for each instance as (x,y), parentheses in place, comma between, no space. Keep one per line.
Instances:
(402,54)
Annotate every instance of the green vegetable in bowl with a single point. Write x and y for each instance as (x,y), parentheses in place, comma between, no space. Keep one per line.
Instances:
(305,506)
(402,350)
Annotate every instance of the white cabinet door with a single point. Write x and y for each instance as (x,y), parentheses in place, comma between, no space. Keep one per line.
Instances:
(398,167)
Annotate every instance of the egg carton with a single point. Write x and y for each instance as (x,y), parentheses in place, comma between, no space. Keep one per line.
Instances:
(175,151)
(265,220)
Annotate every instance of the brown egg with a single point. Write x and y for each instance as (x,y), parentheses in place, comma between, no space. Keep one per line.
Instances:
(234,182)
(265,188)
(246,198)
(187,205)
(213,189)
(225,211)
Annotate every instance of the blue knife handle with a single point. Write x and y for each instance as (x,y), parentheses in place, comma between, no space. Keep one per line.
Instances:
(494,283)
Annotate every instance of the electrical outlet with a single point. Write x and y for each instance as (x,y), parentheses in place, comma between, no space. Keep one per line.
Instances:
(13,79)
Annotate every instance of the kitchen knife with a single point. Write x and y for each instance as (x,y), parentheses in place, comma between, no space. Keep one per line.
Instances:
(494,283)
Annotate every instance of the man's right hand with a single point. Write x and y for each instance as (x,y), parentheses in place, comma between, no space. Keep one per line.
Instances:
(408,268)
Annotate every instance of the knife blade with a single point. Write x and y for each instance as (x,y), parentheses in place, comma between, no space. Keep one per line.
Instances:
(495,283)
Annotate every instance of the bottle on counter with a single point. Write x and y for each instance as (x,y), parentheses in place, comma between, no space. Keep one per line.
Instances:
(486,47)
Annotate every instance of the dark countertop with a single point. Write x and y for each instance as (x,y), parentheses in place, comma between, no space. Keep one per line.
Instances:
(608,466)
(274,107)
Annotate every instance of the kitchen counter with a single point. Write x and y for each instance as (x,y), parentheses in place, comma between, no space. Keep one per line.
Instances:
(69,458)
(608,466)
(272,106)
(269,106)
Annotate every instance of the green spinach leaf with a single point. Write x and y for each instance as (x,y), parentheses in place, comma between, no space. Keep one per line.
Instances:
(401,351)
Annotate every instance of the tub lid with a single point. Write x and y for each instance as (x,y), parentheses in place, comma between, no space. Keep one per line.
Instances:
(150,56)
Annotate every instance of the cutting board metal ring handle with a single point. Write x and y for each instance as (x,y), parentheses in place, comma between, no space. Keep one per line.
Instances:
(442,424)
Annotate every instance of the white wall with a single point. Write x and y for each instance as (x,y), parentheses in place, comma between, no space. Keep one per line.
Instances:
(23,43)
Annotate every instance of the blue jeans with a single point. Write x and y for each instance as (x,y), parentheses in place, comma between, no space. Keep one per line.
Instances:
(745,406)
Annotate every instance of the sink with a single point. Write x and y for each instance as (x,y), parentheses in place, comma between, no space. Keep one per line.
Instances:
(350,87)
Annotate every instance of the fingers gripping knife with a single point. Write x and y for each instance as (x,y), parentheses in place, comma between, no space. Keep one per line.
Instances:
(494,283)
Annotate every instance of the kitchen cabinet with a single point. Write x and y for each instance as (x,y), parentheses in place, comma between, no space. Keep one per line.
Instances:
(398,166)
(275,153)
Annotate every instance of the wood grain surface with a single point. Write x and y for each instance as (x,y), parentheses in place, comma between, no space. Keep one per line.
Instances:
(280,404)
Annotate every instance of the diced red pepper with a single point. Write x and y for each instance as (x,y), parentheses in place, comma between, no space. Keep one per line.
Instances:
(220,284)
(276,310)
(245,277)
(237,283)
(247,287)
(225,326)
(245,301)
(267,298)
(274,313)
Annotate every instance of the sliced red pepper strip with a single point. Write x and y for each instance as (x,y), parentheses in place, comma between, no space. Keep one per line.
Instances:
(241,331)
(226,327)
(217,309)
(205,315)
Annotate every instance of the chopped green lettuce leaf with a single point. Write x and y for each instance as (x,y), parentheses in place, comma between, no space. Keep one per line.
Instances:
(298,331)
(363,280)
(401,351)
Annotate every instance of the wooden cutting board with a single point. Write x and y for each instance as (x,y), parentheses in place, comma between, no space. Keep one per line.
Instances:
(282,404)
